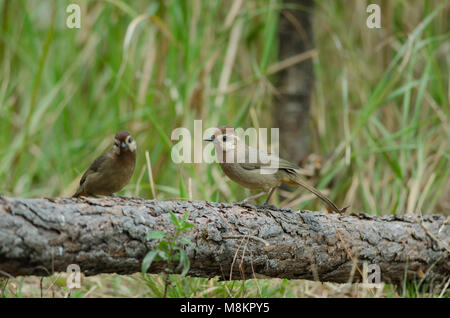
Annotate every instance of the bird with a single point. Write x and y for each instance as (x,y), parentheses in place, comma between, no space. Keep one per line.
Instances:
(112,171)
(265,172)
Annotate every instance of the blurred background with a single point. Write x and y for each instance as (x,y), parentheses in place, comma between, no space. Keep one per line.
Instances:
(365,110)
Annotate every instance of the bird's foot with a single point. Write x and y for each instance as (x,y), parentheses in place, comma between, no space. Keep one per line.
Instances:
(344,209)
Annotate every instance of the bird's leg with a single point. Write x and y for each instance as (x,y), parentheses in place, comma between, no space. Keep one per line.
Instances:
(253,197)
(344,209)
(268,197)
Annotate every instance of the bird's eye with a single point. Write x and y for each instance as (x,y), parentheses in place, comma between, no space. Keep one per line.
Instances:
(224,138)
(130,140)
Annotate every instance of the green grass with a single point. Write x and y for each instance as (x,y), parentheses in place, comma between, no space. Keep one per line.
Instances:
(380,112)
(136,285)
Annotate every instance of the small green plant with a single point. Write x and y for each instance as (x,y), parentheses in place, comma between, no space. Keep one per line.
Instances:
(170,249)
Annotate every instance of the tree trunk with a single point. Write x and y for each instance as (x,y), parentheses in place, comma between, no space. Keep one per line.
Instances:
(108,235)
(295,84)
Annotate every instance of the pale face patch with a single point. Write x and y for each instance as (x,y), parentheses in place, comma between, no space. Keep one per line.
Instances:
(225,142)
(131,144)
(116,147)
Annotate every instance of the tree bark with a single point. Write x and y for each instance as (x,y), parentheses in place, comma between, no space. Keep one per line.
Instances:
(109,235)
(295,84)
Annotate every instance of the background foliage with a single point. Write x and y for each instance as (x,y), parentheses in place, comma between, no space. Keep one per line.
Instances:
(380,112)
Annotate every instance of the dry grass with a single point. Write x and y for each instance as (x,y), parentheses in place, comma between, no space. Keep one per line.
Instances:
(380,113)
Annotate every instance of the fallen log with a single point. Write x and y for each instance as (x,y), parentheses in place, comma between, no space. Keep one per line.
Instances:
(109,235)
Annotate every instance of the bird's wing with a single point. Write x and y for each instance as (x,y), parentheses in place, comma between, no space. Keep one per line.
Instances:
(95,166)
(266,160)
(250,166)
(284,164)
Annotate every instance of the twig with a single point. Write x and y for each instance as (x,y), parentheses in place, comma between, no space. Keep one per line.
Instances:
(444,289)
(348,253)
(254,274)
(166,283)
(234,258)
(442,244)
(266,244)
(4,287)
(241,266)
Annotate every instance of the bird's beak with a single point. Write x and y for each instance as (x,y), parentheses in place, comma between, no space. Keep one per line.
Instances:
(123,145)
(208,139)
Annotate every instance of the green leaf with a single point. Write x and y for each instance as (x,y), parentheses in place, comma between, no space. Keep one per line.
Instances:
(183,191)
(184,261)
(175,221)
(270,32)
(163,246)
(187,225)
(186,264)
(163,255)
(180,256)
(148,260)
(186,241)
(156,235)
(153,8)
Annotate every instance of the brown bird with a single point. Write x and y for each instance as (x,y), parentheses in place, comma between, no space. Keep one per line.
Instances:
(112,171)
(265,171)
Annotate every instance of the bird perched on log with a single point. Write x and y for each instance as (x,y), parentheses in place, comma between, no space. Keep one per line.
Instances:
(265,172)
(112,171)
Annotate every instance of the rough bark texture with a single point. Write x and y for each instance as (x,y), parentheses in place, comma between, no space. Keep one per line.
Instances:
(295,84)
(108,235)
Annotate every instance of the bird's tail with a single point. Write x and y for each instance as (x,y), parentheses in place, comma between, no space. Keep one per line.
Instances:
(294,178)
